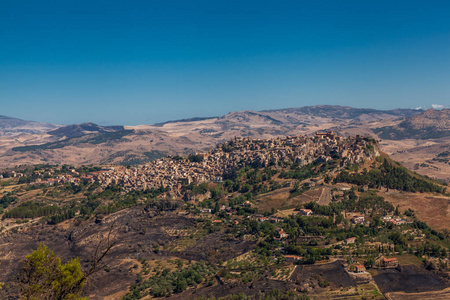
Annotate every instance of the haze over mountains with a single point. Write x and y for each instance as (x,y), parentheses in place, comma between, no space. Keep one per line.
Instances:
(26,142)
(9,125)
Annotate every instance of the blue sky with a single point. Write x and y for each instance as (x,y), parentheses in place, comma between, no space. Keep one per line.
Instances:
(136,62)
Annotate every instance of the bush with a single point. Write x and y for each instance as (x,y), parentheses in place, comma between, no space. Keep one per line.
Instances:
(43,276)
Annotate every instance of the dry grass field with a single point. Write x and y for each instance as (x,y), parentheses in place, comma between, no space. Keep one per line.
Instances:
(433,209)
(280,200)
(434,295)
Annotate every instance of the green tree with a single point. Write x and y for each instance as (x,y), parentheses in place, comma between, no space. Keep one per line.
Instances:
(43,276)
(369,262)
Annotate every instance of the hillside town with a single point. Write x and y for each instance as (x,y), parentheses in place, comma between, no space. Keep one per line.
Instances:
(174,172)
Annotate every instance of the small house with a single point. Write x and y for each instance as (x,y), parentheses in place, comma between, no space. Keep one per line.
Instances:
(292,258)
(357,219)
(305,212)
(389,262)
(359,268)
(350,240)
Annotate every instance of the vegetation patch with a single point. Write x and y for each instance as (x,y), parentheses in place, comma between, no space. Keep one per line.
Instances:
(166,282)
(391,176)
(32,209)
(89,139)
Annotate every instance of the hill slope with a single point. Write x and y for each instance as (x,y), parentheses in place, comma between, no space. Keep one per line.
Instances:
(9,125)
(77,130)
(430,124)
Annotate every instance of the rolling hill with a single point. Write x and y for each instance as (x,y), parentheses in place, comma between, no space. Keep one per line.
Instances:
(89,143)
(77,130)
(430,124)
(11,126)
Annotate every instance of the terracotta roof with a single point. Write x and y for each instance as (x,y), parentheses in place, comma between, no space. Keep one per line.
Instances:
(390,259)
(292,256)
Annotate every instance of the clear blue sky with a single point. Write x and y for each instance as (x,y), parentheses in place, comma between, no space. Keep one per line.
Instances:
(136,62)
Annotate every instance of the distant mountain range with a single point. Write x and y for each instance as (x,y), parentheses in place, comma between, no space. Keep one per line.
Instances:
(9,125)
(323,111)
(27,142)
(346,112)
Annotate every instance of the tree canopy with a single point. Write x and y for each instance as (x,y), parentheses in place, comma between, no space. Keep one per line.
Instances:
(43,277)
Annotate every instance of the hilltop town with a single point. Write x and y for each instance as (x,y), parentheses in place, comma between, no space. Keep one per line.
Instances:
(90,144)
(174,172)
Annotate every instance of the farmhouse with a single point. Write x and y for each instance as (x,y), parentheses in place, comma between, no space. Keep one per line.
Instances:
(292,258)
(357,268)
(389,262)
(282,234)
(357,219)
(305,212)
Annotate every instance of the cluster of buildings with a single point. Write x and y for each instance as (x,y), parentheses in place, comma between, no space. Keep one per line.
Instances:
(360,219)
(59,179)
(268,219)
(173,173)
(357,219)
(10,174)
(395,221)
(51,177)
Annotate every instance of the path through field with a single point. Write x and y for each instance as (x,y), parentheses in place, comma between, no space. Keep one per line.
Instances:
(325,197)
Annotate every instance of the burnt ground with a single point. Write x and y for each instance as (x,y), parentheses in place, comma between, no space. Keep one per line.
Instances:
(138,233)
(333,272)
(432,295)
(263,285)
(301,280)
(409,279)
(215,248)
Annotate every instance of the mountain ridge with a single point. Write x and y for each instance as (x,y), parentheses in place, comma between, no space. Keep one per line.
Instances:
(89,143)
(11,125)
(429,124)
(77,130)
